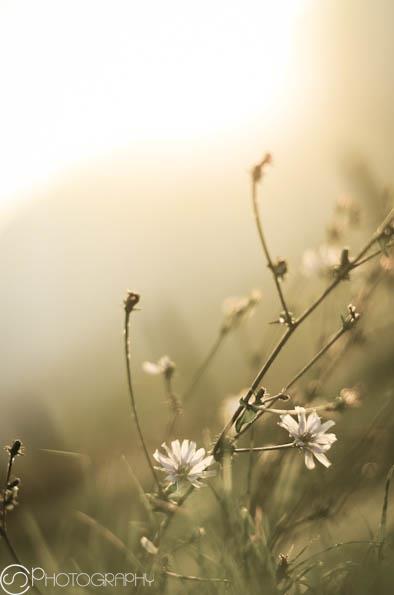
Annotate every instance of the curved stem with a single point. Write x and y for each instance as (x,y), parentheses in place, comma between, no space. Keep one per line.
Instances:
(318,355)
(132,400)
(255,384)
(202,368)
(294,412)
(371,256)
(266,251)
(250,469)
(264,448)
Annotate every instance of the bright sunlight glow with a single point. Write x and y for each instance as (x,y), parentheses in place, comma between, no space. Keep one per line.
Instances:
(83,77)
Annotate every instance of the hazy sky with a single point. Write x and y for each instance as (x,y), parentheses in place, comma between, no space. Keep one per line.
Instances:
(81,78)
(131,126)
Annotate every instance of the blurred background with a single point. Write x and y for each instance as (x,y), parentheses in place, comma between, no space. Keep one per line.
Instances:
(128,131)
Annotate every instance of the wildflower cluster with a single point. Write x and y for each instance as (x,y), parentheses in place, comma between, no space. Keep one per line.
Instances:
(181,466)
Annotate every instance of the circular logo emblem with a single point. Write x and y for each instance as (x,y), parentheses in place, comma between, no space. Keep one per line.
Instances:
(14,579)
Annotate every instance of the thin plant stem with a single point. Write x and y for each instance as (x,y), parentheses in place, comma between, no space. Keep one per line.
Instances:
(203,367)
(383,519)
(200,579)
(342,274)
(169,518)
(255,384)
(260,412)
(172,396)
(7,481)
(278,348)
(333,547)
(371,256)
(3,526)
(362,300)
(264,448)
(318,355)
(325,407)
(132,399)
(175,405)
(10,547)
(346,270)
(266,251)
(250,469)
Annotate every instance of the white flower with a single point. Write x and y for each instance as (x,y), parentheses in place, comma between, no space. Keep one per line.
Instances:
(309,435)
(163,366)
(182,462)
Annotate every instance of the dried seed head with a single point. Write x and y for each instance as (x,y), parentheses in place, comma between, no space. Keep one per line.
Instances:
(258,169)
(16,449)
(351,318)
(131,301)
(334,232)
(9,498)
(280,268)
(282,567)
(284,319)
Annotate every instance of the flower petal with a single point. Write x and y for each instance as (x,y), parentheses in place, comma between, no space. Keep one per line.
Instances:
(313,423)
(176,450)
(202,465)
(197,457)
(184,449)
(289,423)
(321,457)
(327,425)
(164,461)
(309,462)
(325,439)
(301,420)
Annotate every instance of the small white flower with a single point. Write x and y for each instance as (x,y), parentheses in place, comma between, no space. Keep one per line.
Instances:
(163,366)
(309,435)
(182,462)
